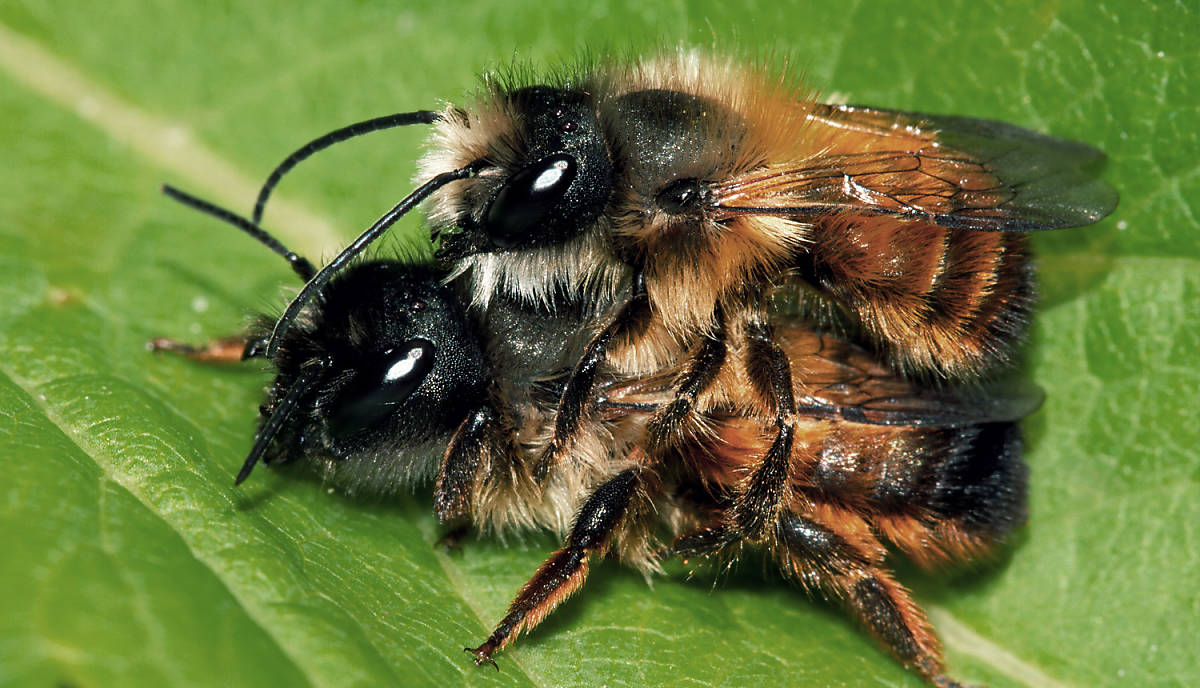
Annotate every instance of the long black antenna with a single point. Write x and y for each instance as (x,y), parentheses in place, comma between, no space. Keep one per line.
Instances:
(279,416)
(400,119)
(299,264)
(350,252)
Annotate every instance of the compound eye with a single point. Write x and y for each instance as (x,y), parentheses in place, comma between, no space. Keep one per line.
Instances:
(380,387)
(528,199)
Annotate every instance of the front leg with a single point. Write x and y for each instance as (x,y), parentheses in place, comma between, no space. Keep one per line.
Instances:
(634,315)
(460,464)
(230,349)
(701,373)
(564,572)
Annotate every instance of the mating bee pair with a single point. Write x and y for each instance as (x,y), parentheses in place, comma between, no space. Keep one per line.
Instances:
(679,299)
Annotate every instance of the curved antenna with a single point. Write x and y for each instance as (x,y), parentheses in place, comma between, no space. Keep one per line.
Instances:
(318,144)
(279,416)
(350,252)
(299,264)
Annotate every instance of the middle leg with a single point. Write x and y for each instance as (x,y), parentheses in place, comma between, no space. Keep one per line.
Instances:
(632,317)
(763,494)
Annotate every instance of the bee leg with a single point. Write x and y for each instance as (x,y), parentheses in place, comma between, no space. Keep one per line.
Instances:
(564,572)
(221,350)
(633,315)
(700,374)
(703,541)
(460,464)
(770,373)
(847,562)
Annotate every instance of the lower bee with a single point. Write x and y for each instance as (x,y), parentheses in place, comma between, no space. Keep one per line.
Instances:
(678,306)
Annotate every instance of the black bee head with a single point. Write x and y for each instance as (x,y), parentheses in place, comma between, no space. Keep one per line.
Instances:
(382,371)
(546,179)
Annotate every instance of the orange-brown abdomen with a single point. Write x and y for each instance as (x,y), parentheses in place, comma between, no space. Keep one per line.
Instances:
(951,302)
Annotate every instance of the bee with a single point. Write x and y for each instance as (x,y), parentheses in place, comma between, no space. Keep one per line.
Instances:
(680,306)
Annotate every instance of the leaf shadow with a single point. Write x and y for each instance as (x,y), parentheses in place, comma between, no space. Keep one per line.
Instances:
(753,573)
(231,296)
(960,579)
(286,478)
(1071,263)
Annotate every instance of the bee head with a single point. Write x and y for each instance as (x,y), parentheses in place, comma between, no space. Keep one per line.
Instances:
(546,173)
(376,378)
(377,370)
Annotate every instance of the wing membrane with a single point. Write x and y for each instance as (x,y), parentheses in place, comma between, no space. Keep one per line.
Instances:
(956,172)
(843,382)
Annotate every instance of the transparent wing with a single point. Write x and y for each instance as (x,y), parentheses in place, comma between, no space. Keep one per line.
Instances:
(842,382)
(956,172)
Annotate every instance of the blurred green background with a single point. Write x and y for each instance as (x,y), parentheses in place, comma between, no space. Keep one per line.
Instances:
(130,559)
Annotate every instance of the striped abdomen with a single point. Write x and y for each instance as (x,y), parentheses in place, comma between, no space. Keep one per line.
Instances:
(951,302)
(937,493)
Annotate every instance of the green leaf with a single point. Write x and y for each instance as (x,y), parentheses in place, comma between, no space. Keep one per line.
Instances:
(129,557)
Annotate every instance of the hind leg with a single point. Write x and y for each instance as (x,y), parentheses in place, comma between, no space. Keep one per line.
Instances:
(222,350)
(834,551)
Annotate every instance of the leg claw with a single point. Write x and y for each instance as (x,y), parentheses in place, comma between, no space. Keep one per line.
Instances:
(483,655)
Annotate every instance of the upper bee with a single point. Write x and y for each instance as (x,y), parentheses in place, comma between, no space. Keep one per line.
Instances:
(718,184)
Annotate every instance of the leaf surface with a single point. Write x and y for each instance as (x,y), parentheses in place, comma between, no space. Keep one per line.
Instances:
(130,559)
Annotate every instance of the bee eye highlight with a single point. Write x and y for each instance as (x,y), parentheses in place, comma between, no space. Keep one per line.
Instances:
(528,199)
(380,387)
